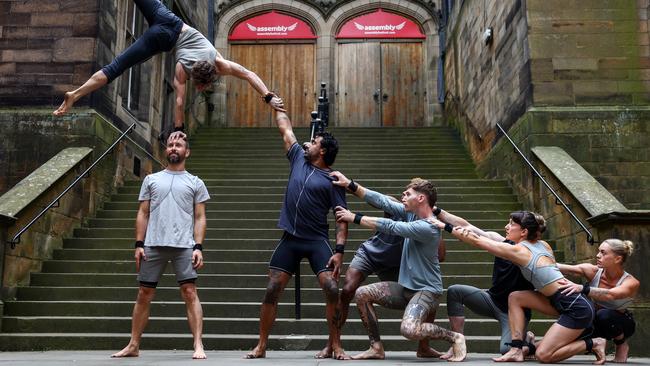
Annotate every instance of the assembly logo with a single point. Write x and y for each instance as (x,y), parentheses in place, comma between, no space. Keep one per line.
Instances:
(380,29)
(279,30)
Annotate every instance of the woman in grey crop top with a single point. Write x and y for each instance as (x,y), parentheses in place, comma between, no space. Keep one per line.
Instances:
(196,57)
(535,259)
(612,290)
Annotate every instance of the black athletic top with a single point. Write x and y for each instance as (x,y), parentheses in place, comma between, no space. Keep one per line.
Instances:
(506,278)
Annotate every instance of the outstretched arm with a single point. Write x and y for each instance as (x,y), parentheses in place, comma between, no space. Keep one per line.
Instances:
(585,270)
(284,124)
(180,79)
(503,250)
(454,220)
(226,67)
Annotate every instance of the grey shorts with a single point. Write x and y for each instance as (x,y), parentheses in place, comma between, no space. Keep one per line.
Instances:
(362,263)
(157,257)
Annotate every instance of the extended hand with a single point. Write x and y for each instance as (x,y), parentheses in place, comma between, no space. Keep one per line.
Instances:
(567,287)
(340,179)
(277,103)
(437,223)
(343,214)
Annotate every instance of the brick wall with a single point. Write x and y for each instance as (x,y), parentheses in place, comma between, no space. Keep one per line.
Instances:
(45,48)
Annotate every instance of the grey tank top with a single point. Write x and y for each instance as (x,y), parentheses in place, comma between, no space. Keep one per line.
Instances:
(620,304)
(539,276)
(191,47)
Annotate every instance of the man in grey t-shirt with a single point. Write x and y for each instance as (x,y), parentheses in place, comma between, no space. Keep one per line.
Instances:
(419,287)
(170,226)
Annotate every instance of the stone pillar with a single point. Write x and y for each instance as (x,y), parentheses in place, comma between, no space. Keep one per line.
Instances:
(5,223)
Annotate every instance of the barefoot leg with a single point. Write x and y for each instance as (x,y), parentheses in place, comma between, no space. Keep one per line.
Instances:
(375,352)
(95,82)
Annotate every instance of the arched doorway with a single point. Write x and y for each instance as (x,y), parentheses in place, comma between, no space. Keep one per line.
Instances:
(281,50)
(380,72)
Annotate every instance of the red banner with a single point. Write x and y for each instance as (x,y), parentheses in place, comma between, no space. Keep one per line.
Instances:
(380,24)
(272,25)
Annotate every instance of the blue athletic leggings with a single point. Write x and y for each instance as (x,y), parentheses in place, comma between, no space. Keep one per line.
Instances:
(163,31)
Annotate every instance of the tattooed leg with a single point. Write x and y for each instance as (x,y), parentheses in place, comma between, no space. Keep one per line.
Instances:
(414,325)
(424,350)
(277,282)
(387,294)
(333,314)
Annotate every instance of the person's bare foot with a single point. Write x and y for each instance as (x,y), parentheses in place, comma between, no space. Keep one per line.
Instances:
(199,353)
(599,350)
(373,353)
(458,348)
(339,354)
(513,355)
(257,352)
(622,351)
(530,339)
(424,351)
(448,354)
(324,353)
(68,101)
(128,351)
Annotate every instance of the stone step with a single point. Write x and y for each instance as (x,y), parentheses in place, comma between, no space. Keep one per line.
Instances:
(239,254)
(370,182)
(230,325)
(509,206)
(392,191)
(206,280)
(245,267)
(183,341)
(269,223)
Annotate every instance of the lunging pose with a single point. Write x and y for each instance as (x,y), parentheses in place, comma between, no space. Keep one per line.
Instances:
(419,287)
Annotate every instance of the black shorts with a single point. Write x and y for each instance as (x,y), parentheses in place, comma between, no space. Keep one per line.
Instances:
(291,250)
(576,311)
(610,324)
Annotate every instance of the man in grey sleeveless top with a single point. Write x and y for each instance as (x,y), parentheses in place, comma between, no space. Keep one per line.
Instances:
(196,58)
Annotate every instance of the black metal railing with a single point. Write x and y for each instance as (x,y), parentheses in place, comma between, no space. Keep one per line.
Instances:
(558,200)
(16,239)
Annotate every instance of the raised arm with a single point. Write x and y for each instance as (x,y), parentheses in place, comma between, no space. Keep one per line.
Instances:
(226,67)
(284,124)
(180,79)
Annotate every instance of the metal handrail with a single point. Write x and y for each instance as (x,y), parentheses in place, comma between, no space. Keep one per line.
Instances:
(16,239)
(558,200)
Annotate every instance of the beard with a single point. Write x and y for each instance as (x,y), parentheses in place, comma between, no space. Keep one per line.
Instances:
(174,158)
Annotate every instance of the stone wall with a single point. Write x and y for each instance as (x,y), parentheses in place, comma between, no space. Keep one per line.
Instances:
(589,53)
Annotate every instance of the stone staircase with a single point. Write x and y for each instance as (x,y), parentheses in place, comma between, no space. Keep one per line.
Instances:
(84,296)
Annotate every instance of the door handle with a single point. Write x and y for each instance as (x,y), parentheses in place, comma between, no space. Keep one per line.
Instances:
(384,97)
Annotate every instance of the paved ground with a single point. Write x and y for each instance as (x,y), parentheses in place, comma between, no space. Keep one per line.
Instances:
(179,358)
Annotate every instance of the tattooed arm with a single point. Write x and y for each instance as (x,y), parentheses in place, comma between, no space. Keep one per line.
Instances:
(629,288)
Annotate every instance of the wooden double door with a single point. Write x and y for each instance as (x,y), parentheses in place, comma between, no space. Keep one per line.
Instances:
(380,84)
(288,69)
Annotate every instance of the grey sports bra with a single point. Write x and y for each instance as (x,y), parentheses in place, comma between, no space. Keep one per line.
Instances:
(620,304)
(539,276)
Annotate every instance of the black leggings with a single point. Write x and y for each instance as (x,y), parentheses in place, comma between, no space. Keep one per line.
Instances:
(161,36)
(610,324)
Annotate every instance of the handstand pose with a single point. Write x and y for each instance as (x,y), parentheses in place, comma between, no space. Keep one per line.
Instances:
(195,58)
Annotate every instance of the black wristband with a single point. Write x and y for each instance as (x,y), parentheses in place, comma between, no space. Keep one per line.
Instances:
(449,228)
(585,289)
(353,186)
(268,97)
(437,211)
(357,218)
(198,246)
(340,248)
(181,128)
(139,244)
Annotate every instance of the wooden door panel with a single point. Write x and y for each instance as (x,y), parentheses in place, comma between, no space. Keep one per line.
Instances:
(403,85)
(358,77)
(244,108)
(294,80)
